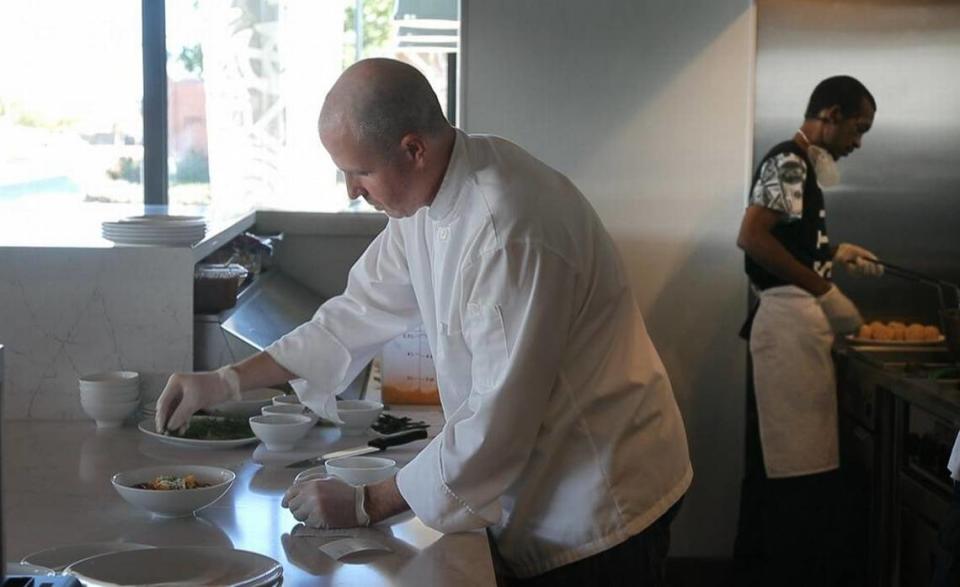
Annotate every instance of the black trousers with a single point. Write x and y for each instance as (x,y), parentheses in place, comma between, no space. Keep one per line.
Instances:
(947,565)
(791,531)
(640,561)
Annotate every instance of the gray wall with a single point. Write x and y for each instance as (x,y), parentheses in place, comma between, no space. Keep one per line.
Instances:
(647,107)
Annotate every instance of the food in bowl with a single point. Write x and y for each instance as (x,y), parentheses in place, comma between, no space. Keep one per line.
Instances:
(212,484)
(172,483)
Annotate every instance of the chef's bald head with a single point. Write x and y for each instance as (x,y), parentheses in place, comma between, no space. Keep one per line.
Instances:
(379,101)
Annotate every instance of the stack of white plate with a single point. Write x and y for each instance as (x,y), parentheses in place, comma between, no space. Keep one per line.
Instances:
(156,230)
(110,397)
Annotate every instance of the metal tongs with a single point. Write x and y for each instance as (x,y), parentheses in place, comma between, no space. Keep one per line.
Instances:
(939,284)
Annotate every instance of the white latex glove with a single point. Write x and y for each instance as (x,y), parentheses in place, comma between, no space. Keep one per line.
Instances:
(858,260)
(326,503)
(185,393)
(840,311)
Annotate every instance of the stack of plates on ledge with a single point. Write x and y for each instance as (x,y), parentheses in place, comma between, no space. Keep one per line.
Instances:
(156,230)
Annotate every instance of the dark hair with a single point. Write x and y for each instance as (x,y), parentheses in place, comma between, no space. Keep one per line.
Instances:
(840,90)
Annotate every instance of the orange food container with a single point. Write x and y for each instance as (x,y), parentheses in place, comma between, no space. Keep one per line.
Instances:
(408,373)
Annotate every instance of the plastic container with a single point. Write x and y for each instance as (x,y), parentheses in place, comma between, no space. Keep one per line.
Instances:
(215,287)
(407,371)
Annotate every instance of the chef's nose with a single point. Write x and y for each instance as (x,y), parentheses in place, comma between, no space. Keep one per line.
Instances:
(354,191)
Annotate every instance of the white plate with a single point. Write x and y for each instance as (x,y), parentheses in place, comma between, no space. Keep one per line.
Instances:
(163,219)
(61,557)
(179,566)
(249,405)
(870,341)
(148,427)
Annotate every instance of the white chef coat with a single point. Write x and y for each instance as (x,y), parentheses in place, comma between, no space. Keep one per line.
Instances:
(562,434)
(794,383)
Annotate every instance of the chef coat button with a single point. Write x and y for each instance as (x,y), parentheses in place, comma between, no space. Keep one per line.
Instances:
(443,233)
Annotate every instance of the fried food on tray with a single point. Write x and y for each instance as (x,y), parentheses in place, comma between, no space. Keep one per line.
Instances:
(898,331)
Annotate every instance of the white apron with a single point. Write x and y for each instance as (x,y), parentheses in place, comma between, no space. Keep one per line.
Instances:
(954,464)
(795,384)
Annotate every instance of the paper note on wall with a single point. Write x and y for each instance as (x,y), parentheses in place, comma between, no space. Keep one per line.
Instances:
(409,375)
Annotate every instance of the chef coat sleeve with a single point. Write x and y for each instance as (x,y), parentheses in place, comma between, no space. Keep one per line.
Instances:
(516,308)
(377,305)
(779,185)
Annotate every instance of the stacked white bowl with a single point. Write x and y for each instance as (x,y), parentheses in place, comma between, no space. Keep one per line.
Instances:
(110,397)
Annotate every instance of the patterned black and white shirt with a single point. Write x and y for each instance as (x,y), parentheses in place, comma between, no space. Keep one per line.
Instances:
(786,182)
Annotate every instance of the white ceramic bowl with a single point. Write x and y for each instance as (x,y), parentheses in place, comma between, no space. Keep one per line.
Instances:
(284,409)
(280,432)
(361,470)
(286,399)
(248,405)
(174,502)
(358,415)
(110,379)
(109,414)
(109,395)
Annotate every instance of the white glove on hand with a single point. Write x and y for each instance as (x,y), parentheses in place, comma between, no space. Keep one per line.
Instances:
(840,311)
(327,503)
(858,260)
(185,393)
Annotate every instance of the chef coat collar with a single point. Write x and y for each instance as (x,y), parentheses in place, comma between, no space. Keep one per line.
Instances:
(452,184)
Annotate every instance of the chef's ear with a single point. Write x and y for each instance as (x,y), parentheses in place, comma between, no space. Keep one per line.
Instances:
(413,147)
(832,114)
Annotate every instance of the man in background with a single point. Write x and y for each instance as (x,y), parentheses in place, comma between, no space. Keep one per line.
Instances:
(788,532)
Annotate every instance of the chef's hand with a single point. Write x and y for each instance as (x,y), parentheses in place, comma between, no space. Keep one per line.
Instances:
(840,311)
(327,503)
(185,393)
(858,260)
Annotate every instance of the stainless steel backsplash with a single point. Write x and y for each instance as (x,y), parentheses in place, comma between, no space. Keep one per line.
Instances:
(900,194)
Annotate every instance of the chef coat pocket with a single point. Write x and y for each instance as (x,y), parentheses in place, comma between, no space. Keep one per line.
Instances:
(484,333)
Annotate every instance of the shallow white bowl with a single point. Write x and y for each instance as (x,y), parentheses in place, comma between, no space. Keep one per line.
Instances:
(280,432)
(109,414)
(286,399)
(175,502)
(361,470)
(358,415)
(110,379)
(248,405)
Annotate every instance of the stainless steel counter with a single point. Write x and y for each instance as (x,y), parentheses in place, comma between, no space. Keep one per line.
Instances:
(57,492)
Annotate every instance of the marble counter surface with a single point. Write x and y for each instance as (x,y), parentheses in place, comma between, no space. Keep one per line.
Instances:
(57,492)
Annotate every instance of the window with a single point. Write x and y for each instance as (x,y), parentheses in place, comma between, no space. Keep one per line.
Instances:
(245,80)
(70,93)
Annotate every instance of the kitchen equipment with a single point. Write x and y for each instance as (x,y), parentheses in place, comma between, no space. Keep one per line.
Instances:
(375,445)
(173,503)
(951,329)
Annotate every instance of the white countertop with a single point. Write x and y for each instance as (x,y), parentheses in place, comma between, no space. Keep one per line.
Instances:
(57,491)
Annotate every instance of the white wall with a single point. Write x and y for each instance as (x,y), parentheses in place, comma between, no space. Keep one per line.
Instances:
(647,107)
